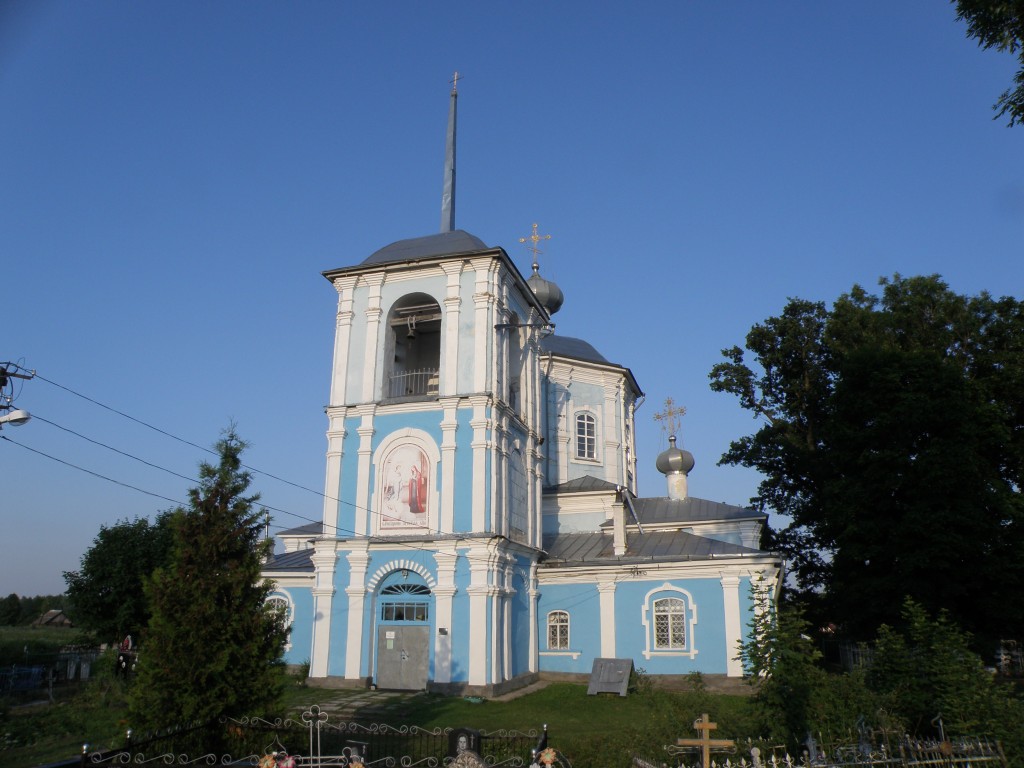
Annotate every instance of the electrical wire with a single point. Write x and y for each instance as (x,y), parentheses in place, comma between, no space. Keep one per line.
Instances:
(336,529)
(90,472)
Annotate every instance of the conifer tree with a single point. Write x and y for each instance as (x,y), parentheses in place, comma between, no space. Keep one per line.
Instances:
(212,647)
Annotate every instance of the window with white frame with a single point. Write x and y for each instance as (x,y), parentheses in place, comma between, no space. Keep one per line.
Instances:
(558,631)
(282,606)
(586,436)
(669,624)
(669,618)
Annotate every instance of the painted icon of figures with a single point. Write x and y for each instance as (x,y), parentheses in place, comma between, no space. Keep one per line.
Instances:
(405,488)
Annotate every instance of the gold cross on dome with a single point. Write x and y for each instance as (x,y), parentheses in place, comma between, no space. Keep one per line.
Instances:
(669,417)
(704,726)
(534,239)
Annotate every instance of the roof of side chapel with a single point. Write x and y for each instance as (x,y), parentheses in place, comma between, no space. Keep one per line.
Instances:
(568,549)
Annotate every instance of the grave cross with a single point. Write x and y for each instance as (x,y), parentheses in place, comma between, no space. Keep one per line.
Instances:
(704,726)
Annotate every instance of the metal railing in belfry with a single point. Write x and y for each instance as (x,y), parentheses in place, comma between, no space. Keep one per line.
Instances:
(421,382)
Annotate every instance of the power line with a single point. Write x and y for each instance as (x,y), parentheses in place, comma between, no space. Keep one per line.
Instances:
(337,529)
(90,472)
(173,436)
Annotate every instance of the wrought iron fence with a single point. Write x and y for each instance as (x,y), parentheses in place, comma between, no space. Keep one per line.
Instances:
(312,741)
(904,753)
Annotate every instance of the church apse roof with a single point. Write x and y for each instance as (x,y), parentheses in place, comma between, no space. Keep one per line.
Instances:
(579,549)
(577,349)
(665,511)
(585,484)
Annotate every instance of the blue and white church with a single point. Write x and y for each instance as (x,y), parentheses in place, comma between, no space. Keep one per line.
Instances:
(482,527)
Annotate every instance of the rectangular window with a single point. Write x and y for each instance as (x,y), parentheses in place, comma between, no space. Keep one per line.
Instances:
(586,436)
(558,631)
(403,612)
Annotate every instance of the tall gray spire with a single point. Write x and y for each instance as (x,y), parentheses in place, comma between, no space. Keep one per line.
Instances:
(448,193)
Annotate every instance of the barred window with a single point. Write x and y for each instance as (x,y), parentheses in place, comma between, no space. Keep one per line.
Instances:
(669,623)
(558,631)
(586,436)
(403,612)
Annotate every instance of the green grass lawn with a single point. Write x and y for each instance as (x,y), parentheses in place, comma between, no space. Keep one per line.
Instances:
(590,730)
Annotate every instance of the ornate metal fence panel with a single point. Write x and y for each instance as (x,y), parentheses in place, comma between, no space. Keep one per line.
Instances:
(312,741)
(905,753)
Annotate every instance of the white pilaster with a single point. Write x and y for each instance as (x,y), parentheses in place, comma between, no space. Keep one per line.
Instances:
(332,478)
(606,590)
(449,428)
(342,332)
(358,559)
(534,640)
(483,302)
(453,309)
(364,513)
(323,558)
(480,425)
(733,627)
(446,557)
(480,592)
(373,341)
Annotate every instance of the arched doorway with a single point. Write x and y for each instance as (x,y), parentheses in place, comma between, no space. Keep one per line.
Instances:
(403,632)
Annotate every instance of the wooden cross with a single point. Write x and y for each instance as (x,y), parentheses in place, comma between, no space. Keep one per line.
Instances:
(670,416)
(534,239)
(704,726)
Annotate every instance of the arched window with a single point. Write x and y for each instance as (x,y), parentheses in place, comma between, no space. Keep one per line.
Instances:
(669,624)
(404,601)
(558,631)
(413,352)
(669,618)
(282,606)
(586,436)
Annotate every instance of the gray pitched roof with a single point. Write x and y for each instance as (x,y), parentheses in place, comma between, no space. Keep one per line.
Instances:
(441,244)
(299,562)
(663,510)
(309,529)
(582,484)
(577,549)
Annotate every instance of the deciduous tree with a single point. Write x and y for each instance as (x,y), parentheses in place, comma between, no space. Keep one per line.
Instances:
(106,594)
(894,442)
(999,24)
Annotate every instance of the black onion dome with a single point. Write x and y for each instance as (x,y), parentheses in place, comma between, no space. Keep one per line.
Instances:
(673,461)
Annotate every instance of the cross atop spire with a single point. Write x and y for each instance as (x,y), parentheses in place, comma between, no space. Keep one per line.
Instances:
(669,418)
(534,239)
(455,81)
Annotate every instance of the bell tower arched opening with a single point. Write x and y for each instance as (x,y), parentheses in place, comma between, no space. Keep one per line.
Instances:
(413,348)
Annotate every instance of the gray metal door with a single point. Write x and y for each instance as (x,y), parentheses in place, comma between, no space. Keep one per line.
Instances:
(403,655)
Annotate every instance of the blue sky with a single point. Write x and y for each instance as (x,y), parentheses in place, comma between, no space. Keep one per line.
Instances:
(174,176)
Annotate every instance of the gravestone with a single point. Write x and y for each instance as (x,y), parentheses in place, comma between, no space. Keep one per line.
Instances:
(610,676)
(468,759)
(463,739)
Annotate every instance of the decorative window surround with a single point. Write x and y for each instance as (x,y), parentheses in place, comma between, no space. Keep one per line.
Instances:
(689,611)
